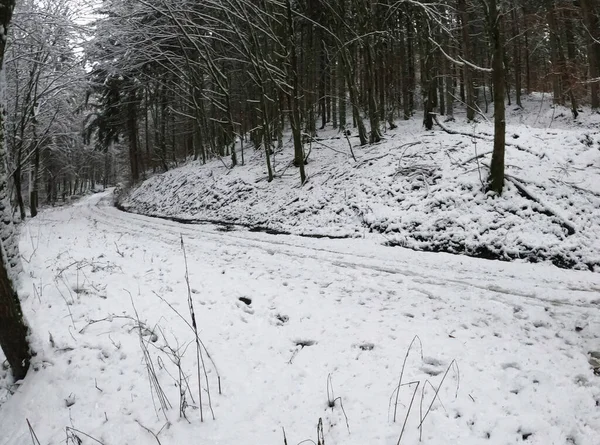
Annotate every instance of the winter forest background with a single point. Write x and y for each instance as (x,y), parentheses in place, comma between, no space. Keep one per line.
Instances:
(148,85)
(158,148)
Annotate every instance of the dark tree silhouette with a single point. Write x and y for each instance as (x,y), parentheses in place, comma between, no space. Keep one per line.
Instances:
(13,330)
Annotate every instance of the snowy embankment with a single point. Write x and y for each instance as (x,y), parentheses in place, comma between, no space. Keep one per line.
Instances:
(301,332)
(417,189)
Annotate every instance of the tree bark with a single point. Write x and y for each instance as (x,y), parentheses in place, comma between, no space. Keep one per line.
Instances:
(449,87)
(295,102)
(590,19)
(571,66)
(467,54)
(374,135)
(132,134)
(341,84)
(496,178)
(516,52)
(35,183)
(428,83)
(13,330)
(17,180)
(556,56)
(406,102)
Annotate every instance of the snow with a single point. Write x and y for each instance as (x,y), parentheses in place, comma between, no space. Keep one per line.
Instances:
(519,334)
(421,190)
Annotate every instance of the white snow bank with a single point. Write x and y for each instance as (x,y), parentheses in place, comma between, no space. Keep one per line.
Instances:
(421,190)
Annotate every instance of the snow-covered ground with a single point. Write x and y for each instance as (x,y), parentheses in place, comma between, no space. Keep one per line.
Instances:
(504,345)
(418,189)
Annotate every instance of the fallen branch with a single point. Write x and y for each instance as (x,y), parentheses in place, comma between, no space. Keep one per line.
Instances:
(576,187)
(152,432)
(473,158)
(571,229)
(376,158)
(471,135)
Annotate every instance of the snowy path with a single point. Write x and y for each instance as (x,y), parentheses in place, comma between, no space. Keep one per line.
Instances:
(520,334)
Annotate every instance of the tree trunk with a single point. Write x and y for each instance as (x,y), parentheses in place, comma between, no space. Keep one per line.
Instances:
(590,19)
(428,83)
(132,134)
(374,135)
(341,84)
(322,80)
(410,60)
(266,135)
(527,52)
(448,76)
(571,71)
(333,96)
(516,52)
(35,180)
(467,54)
(17,179)
(496,179)
(13,330)
(295,103)
(349,70)
(406,102)
(555,56)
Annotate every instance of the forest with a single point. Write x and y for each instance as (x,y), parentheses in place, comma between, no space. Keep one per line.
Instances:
(139,87)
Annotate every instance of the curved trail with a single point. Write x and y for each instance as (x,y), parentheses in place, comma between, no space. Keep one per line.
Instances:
(280,314)
(357,254)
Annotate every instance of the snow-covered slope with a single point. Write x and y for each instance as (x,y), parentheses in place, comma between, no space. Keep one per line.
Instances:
(417,189)
(292,324)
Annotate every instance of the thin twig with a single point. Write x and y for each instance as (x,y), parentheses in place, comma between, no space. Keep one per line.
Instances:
(34,437)
(70,429)
(437,392)
(416,337)
(409,408)
(150,431)
(199,355)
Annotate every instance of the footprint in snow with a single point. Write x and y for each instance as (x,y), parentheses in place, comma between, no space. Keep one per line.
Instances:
(281,319)
(518,313)
(511,365)
(367,346)
(432,361)
(541,324)
(432,366)
(246,306)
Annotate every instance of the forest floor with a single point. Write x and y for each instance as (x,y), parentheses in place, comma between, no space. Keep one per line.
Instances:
(416,189)
(301,332)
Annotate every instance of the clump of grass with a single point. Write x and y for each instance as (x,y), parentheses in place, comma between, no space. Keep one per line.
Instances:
(332,400)
(423,385)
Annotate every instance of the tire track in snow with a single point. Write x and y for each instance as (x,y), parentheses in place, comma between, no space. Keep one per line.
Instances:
(102,211)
